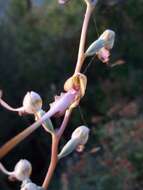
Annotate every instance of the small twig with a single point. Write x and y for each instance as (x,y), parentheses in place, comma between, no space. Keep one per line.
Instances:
(81,55)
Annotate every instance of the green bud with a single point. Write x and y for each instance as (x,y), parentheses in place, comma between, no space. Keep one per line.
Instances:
(78,139)
(95,47)
(69,148)
(106,40)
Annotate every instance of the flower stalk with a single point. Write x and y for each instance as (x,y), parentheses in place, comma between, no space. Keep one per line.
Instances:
(81,54)
(53,163)
(54,152)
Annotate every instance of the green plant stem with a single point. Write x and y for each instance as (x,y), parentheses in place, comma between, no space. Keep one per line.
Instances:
(81,55)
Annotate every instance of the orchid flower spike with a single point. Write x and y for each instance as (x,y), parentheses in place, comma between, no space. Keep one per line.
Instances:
(22,170)
(32,103)
(102,46)
(78,140)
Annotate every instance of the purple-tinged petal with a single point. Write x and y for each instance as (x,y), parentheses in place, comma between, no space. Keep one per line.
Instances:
(103,54)
(63,102)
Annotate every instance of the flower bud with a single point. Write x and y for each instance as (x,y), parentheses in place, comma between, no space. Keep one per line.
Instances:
(102,46)
(108,37)
(78,140)
(22,170)
(29,186)
(81,133)
(69,147)
(95,47)
(32,102)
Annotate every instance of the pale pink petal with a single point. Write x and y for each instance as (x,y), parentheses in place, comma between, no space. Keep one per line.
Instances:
(103,54)
(63,101)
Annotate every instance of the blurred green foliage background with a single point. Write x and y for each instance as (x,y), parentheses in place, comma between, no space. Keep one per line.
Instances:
(38,51)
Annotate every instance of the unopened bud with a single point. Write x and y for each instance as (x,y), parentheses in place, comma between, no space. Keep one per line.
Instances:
(81,133)
(29,186)
(32,102)
(108,37)
(78,140)
(102,46)
(23,170)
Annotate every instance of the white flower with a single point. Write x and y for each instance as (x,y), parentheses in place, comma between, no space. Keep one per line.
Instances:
(81,133)
(29,186)
(102,46)
(32,102)
(22,170)
(108,37)
(78,140)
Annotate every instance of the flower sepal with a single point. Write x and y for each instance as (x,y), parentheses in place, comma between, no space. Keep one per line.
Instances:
(77,82)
